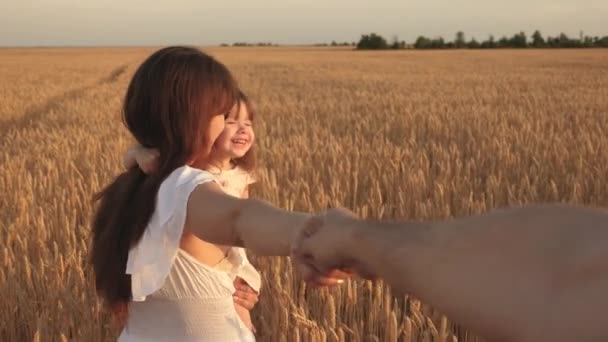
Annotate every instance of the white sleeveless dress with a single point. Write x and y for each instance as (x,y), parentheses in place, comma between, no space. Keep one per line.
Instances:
(176,297)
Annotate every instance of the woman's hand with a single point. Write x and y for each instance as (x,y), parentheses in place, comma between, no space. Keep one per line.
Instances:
(322,250)
(245,296)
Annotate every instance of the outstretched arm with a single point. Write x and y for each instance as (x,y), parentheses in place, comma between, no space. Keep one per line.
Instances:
(521,274)
(219,218)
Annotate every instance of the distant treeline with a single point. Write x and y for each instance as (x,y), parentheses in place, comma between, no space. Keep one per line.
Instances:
(333,43)
(249,44)
(519,40)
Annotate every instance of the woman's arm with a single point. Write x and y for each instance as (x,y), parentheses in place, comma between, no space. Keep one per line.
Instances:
(219,218)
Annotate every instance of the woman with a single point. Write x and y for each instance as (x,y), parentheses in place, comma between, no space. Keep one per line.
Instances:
(157,237)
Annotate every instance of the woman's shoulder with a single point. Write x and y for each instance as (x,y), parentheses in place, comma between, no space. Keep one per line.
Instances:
(187,175)
(151,259)
(176,188)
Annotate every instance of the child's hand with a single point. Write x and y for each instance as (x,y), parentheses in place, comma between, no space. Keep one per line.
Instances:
(245,295)
(245,298)
(145,158)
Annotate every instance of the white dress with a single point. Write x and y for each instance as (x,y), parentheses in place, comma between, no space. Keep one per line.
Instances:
(176,297)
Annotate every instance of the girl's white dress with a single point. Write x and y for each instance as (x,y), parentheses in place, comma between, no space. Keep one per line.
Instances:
(176,297)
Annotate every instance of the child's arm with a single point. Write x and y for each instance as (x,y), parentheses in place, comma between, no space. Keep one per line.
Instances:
(241,288)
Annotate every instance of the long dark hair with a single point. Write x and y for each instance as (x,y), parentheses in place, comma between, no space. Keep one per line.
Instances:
(168,106)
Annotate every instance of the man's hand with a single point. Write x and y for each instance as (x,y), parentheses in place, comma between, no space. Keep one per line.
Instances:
(323,250)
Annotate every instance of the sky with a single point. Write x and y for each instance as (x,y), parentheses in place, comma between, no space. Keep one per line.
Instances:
(205,22)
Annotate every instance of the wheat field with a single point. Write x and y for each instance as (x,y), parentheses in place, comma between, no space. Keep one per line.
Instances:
(408,135)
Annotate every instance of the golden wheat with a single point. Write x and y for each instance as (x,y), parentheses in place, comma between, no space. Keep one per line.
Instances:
(392,135)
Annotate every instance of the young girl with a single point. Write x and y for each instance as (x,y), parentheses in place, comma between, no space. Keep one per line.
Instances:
(232,160)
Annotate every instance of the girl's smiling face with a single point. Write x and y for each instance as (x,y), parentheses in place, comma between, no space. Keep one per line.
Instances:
(237,137)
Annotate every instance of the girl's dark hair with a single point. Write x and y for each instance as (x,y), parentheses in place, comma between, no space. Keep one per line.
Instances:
(248,161)
(168,106)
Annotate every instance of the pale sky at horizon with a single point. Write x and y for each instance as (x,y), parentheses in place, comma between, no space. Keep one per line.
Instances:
(138,22)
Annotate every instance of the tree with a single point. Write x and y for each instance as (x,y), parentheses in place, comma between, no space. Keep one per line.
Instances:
(438,43)
(601,42)
(460,41)
(564,41)
(587,42)
(503,42)
(422,43)
(333,43)
(426,43)
(489,44)
(395,45)
(372,42)
(519,40)
(492,42)
(473,44)
(537,39)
